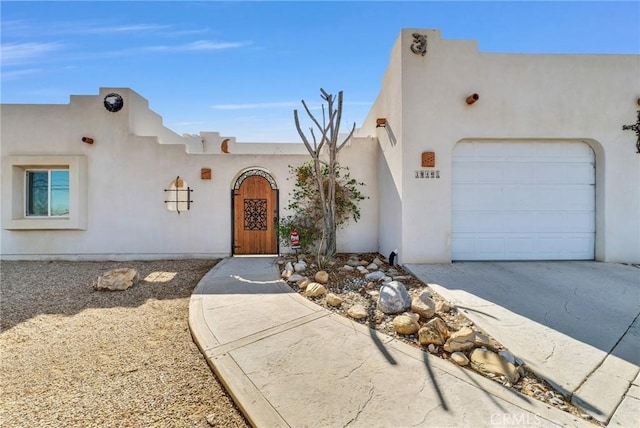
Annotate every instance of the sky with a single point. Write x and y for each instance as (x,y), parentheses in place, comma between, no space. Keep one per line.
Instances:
(240,67)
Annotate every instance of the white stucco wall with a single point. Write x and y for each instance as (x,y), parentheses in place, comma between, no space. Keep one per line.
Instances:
(538,97)
(132,160)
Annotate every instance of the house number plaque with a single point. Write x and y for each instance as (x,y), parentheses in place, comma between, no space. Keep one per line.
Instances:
(422,173)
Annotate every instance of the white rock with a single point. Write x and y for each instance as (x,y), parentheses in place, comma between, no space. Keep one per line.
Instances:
(300,267)
(288,266)
(372,266)
(347,268)
(394,298)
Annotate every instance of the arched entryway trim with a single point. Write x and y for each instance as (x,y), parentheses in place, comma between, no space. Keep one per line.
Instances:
(252,172)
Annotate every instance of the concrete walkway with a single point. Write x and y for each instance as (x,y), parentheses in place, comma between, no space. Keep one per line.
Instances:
(290,363)
(576,324)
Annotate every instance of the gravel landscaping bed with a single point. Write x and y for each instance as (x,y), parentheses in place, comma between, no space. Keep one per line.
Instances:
(71,356)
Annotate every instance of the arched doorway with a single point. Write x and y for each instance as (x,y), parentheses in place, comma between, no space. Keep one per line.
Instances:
(255,213)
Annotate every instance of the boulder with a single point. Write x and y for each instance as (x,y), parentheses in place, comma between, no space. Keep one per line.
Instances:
(377,261)
(394,298)
(404,324)
(423,305)
(300,267)
(461,340)
(372,266)
(314,290)
(434,332)
(117,279)
(334,300)
(357,311)
(322,277)
(485,361)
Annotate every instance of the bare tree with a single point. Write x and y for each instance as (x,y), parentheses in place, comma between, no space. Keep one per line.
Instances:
(324,152)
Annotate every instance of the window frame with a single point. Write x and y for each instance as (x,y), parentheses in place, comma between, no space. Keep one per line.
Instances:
(14,177)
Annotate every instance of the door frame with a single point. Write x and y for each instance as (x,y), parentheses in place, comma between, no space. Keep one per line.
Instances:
(253,171)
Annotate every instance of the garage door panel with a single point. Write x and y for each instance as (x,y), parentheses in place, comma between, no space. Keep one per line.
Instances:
(523,201)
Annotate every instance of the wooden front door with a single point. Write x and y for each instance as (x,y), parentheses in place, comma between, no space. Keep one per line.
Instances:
(255,216)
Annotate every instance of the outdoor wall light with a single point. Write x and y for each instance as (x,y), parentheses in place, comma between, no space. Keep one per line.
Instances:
(472,98)
(87,140)
(381,122)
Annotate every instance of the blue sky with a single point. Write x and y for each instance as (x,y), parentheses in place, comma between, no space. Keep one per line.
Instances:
(240,68)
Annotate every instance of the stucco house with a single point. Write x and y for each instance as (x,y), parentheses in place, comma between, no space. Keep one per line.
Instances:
(465,155)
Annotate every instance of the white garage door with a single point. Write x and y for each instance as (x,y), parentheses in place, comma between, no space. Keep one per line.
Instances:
(523,201)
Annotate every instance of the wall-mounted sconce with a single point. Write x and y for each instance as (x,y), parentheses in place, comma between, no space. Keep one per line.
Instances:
(635,128)
(224,146)
(87,140)
(381,122)
(205,173)
(472,98)
(428,160)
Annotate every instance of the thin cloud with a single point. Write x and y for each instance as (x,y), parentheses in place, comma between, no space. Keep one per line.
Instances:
(16,74)
(250,106)
(199,45)
(20,53)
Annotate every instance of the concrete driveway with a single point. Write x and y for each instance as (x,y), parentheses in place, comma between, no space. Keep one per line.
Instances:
(574,323)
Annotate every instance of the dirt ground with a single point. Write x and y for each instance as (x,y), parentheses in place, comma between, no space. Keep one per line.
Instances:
(71,356)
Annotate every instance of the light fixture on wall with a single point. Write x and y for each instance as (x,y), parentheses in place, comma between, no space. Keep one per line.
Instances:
(636,128)
(381,122)
(472,98)
(87,140)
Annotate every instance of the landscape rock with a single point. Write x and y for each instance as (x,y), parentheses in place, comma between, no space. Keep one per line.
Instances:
(374,276)
(322,277)
(334,300)
(393,298)
(314,290)
(300,267)
(288,266)
(357,311)
(286,273)
(372,266)
(404,324)
(432,348)
(347,268)
(481,339)
(434,332)
(117,280)
(303,283)
(460,359)
(461,340)
(377,261)
(485,361)
(295,278)
(443,307)
(353,262)
(423,305)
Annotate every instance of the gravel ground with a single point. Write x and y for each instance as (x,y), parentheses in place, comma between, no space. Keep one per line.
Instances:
(71,356)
